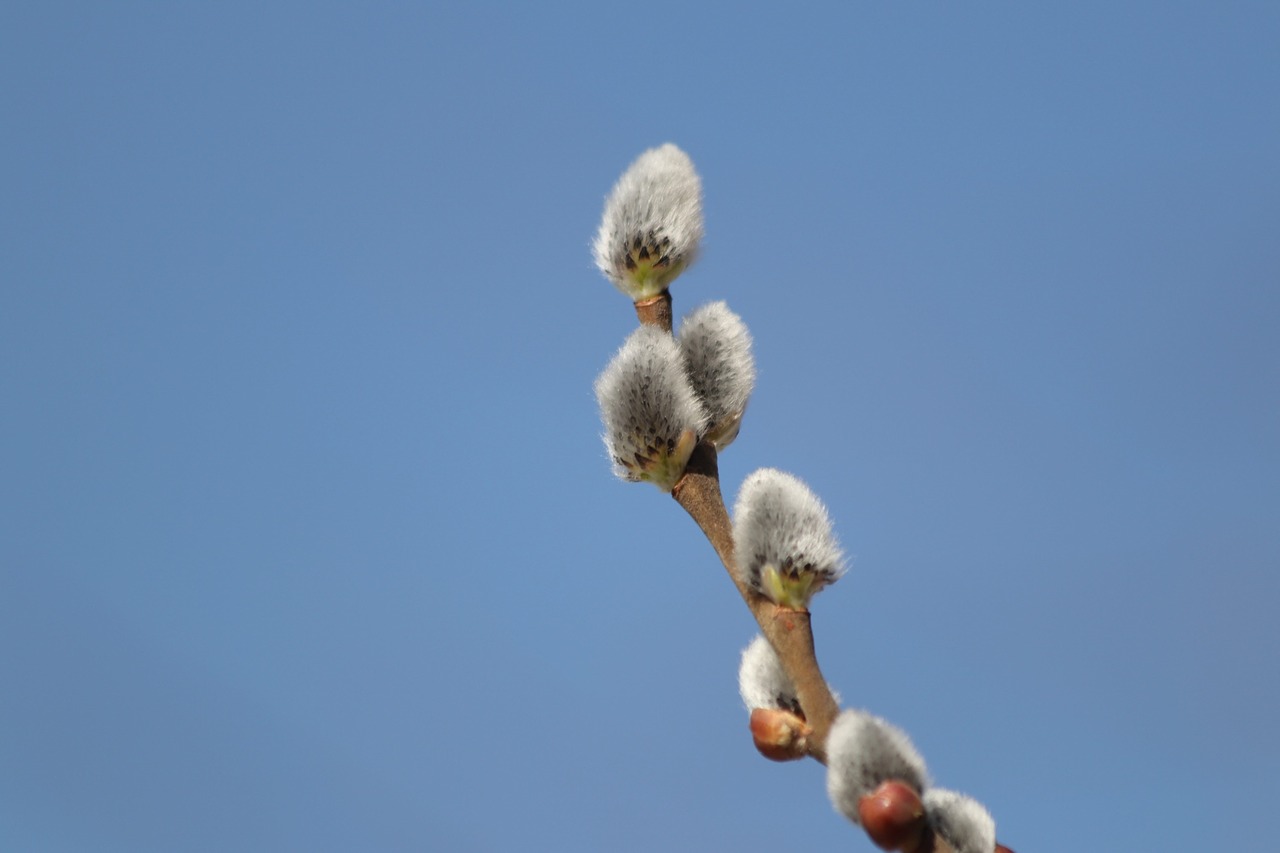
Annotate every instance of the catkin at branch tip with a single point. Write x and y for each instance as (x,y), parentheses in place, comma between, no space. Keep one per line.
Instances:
(652,223)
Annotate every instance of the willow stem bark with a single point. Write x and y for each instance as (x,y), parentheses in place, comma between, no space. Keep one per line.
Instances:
(655,311)
(790,632)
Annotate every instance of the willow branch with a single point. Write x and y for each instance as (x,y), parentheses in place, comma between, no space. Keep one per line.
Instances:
(655,311)
(790,632)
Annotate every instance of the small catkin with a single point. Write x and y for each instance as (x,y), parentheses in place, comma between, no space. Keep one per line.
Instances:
(717,349)
(864,751)
(783,540)
(652,418)
(963,821)
(652,223)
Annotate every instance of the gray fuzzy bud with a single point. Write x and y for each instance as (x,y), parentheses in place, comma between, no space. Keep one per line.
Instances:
(783,542)
(962,821)
(717,349)
(652,223)
(762,681)
(652,418)
(863,752)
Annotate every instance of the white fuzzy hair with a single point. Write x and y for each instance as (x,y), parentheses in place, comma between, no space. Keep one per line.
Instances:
(863,752)
(762,681)
(652,223)
(717,349)
(963,821)
(651,414)
(779,522)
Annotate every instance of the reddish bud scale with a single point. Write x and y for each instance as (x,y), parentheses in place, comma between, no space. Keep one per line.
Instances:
(779,735)
(892,816)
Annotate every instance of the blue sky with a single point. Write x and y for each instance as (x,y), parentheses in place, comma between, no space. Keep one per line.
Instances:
(307,536)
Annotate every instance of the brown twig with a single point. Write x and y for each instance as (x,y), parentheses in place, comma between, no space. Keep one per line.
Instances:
(790,632)
(655,311)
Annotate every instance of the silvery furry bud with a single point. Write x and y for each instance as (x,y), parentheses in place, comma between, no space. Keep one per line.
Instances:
(652,418)
(652,223)
(863,752)
(962,821)
(762,682)
(783,541)
(717,348)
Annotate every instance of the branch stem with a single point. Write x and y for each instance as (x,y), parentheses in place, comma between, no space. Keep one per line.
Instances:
(655,311)
(790,632)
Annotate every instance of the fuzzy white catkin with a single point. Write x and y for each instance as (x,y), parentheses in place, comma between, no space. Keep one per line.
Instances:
(963,821)
(651,415)
(763,683)
(863,752)
(717,349)
(761,680)
(652,223)
(779,523)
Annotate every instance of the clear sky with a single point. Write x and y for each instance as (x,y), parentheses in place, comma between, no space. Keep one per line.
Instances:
(308,540)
